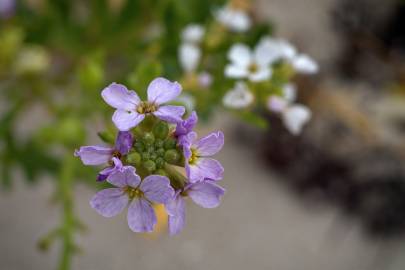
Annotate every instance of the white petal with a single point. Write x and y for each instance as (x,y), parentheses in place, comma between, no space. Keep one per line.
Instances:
(295,117)
(240,54)
(305,64)
(189,56)
(235,20)
(239,97)
(262,74)
(236,71)
(193,33)
(290,92)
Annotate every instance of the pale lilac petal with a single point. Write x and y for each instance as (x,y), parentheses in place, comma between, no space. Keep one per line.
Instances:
(236,71)
(126,176)
(240,55)
(204,168)
(187,125)
(103,175)
(161,90)
(176,209)
(94,155)
(157,188)
(276,104)
(206,194)
(210,144)
(141,216)
(125,120)
(170,113)
(124,142)
(117,96)
(109,202)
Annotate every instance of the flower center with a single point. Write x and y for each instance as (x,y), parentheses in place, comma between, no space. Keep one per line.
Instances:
(194,156)
(133,192)
(145,107)
(115,154)
(253,68)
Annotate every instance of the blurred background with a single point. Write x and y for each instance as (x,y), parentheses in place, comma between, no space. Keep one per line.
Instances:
(330,198)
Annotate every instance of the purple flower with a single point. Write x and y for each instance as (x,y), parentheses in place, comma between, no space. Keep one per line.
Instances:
(199,165)
(131,110)
(136,194)
(99,155)
(185,127)
(206,194)
(7,8)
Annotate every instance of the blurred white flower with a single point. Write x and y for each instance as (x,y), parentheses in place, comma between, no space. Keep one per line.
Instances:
(205,79)
(247,64)
(239,97)
(187,100)
(193,33)
(32,60)
(234,19)
(189,57)
(295,117)
(280,49)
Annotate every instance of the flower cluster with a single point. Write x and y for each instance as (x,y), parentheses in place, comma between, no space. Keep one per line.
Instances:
(153,147)
(262,68)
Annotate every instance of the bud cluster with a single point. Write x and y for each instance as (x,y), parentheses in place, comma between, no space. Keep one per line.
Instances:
(152,149)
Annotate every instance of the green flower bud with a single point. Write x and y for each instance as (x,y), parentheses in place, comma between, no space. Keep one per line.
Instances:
(139,146)
(153,156)
(145,156)
(172,156)
(149,165)
(160,162)
(159,143)
(148,138)
(134,158)
(161,130)
(161,172)
(160,152)
(170,143)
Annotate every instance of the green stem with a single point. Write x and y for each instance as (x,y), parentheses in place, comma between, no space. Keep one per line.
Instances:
(68,226)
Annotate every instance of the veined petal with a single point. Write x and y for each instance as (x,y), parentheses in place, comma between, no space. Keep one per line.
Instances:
(125,120)
(170,113)
(210,144)
(176,209)
(126,176)
(295,117)
(187,125)
(124,142)
(141,216)
(236,71)
(161,90)
(109,202)
(94,155)
(117,96)
(157,188)
(103,175)
(206,194)
(240,55)
(204,168)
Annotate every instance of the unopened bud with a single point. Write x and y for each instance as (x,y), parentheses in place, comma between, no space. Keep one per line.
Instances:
(134,158)
(161,130)
(170,143)
(172,156)
(149,165)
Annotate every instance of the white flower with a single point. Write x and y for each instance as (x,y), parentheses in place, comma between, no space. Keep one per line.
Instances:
(247,64)
(236,20)
(239,97)
(280,49)
(193,33)
(295,117)
(189,57)
(187,100)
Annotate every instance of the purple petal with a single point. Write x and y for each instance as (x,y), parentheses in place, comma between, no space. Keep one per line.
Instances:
(210,144)
(204,168)
(117,96)
(176,209)
(103,175)
(123,142)
(141,216)
(157,188)
(94,155)
(161,90)
(170,113)
(206,194)
(109,202)
(186,126)
(125,120)
(124,177)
